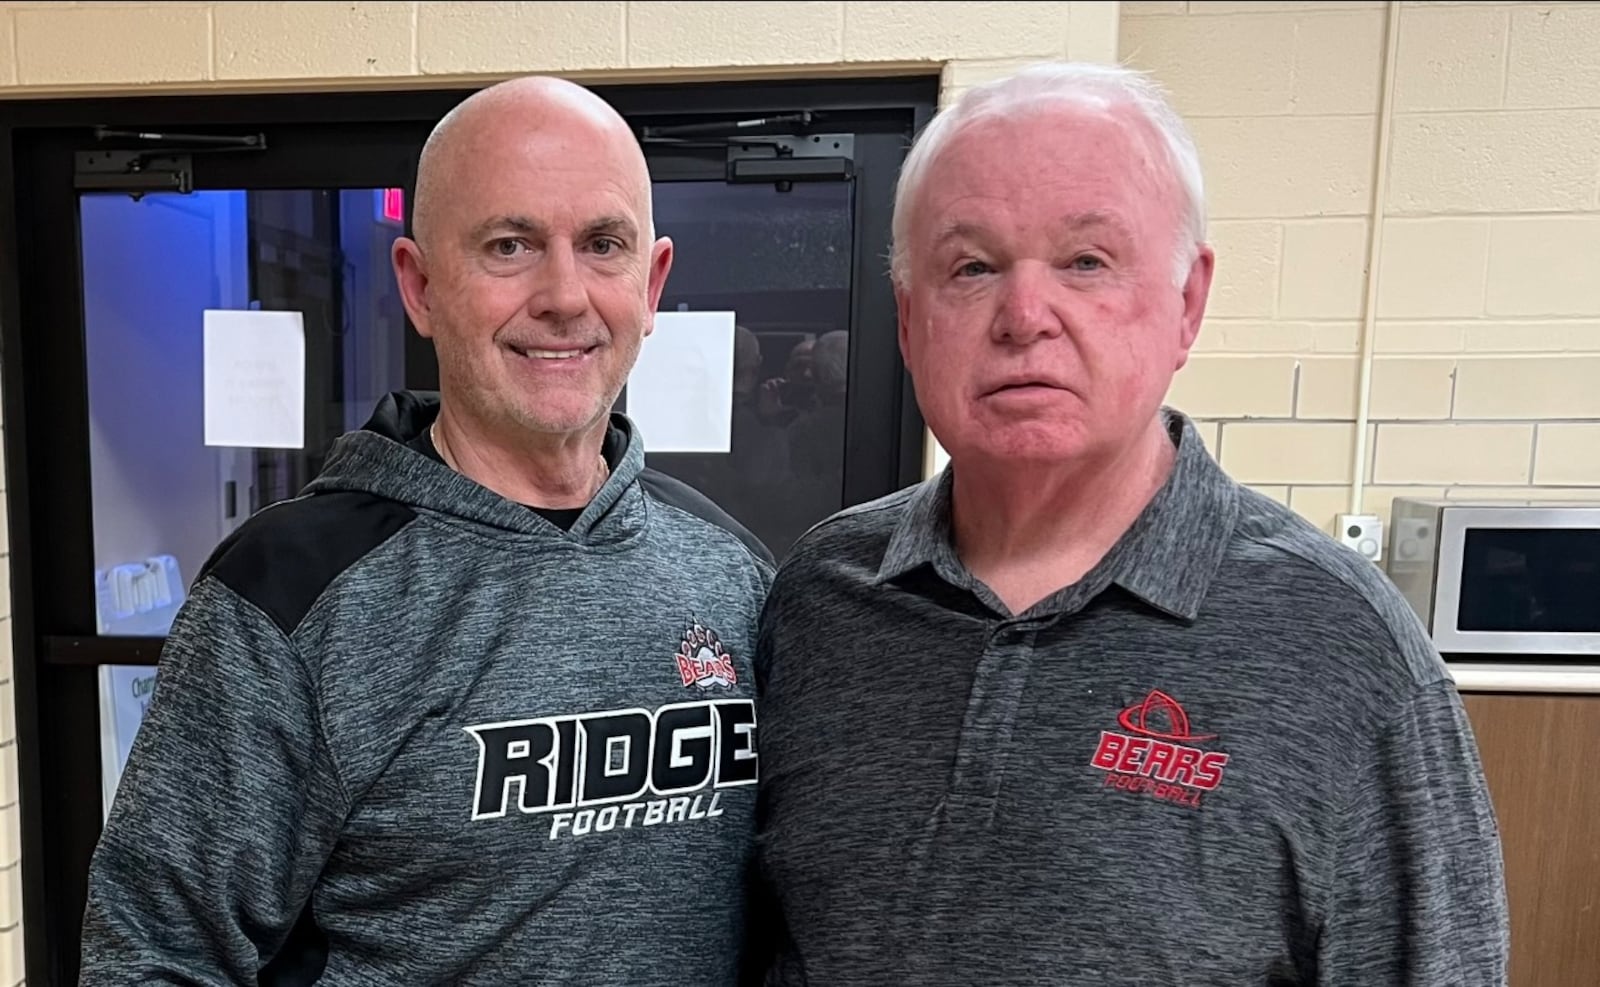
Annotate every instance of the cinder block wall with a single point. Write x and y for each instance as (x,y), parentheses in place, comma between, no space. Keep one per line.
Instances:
(1486,370)
(97,48)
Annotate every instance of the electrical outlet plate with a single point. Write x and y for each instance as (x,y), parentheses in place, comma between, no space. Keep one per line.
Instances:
(1364,533)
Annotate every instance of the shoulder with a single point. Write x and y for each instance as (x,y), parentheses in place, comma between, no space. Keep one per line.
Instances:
(875,521)
(1314,579)
(678,496)
(285,556)
(855,539)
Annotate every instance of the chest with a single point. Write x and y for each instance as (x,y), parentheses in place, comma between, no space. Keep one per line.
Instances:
(564,734)
(1061,767)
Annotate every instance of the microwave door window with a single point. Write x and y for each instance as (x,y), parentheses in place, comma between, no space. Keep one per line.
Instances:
(1530,580)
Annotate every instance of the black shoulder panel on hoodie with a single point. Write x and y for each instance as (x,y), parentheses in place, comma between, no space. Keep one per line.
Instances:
(283,558)
(671,490)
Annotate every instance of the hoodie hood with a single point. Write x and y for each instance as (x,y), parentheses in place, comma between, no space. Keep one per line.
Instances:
(376,459)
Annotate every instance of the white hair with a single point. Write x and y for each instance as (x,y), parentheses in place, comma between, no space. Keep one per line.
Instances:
(1082,84)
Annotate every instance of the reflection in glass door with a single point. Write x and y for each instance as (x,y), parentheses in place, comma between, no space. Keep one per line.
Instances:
(781,261)
(162,498)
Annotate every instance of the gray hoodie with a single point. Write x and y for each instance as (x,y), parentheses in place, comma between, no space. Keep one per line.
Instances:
(408,732)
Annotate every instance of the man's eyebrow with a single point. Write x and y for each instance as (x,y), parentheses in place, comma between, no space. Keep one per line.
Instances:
(620,226)
(1072,223)
(1078,222)
(958,230)
(509,224)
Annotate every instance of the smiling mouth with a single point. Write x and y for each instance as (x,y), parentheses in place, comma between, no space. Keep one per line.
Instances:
(532,353)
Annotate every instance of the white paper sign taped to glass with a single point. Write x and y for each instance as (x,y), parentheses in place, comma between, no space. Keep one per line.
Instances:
(680,393)
(255,379)
(125,693)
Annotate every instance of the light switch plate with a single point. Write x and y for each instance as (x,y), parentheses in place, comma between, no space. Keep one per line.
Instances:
(1364,533)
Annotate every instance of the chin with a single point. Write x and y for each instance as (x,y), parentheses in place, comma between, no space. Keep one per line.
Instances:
(557,417)
(1023,442)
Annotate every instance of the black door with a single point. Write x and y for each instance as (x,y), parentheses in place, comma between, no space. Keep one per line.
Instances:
(139,233)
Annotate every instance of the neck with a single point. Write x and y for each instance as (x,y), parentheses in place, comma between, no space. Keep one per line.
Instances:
(553,471)
(1027,531)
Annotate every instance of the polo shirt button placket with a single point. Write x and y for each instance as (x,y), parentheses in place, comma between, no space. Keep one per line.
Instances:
(985,740)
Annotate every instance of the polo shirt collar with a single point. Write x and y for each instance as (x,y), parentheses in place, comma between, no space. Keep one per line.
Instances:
(923,535)
(1171,553)
(1167,558)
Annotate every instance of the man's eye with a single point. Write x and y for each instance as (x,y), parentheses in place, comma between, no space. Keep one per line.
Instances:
(607,245)
(1088,262)
(506,248)
(972,269)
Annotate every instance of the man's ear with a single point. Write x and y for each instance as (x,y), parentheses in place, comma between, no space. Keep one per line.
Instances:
(660,268)
(1196,292)
(411,274)
(902,304)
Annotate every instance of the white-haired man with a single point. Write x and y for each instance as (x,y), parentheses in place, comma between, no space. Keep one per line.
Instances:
(1081,709)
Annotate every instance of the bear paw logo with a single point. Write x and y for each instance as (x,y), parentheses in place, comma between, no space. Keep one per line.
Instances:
(703,662)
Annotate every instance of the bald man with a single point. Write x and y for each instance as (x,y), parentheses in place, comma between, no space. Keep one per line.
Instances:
(477,707)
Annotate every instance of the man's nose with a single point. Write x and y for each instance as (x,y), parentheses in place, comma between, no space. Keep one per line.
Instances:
(558,293)
(1026,313)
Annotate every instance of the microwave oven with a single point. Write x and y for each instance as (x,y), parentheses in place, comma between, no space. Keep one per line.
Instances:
(1508,590)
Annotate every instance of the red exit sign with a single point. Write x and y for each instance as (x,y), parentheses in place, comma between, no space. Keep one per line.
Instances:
(393,206)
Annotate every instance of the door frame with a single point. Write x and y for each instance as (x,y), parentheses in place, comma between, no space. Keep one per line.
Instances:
(364,139)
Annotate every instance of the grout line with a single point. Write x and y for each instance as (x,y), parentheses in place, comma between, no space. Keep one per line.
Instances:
(1581,321)
(1277,296)
(16,63)
(1452,423)
(1505,59)
(1483,279)
(1482,111)
(416,38)
(1577,212)
(1533,452)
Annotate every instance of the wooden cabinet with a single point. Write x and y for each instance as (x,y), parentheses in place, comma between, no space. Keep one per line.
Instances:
(1541,754)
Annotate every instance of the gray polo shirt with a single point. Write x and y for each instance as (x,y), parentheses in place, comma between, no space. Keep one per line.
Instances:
(1228,755)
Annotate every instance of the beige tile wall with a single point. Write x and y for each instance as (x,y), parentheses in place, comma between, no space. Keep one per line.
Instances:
(82,48)
(1486,338)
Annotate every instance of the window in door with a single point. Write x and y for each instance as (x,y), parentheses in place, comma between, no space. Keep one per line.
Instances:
(781,261)
(163,498)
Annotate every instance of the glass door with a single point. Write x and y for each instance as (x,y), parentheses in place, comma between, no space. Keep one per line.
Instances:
(188,301)
(784,232)
(780,261)
(201,307)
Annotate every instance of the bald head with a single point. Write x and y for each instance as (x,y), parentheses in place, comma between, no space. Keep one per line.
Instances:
(561,115)
(533,264)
